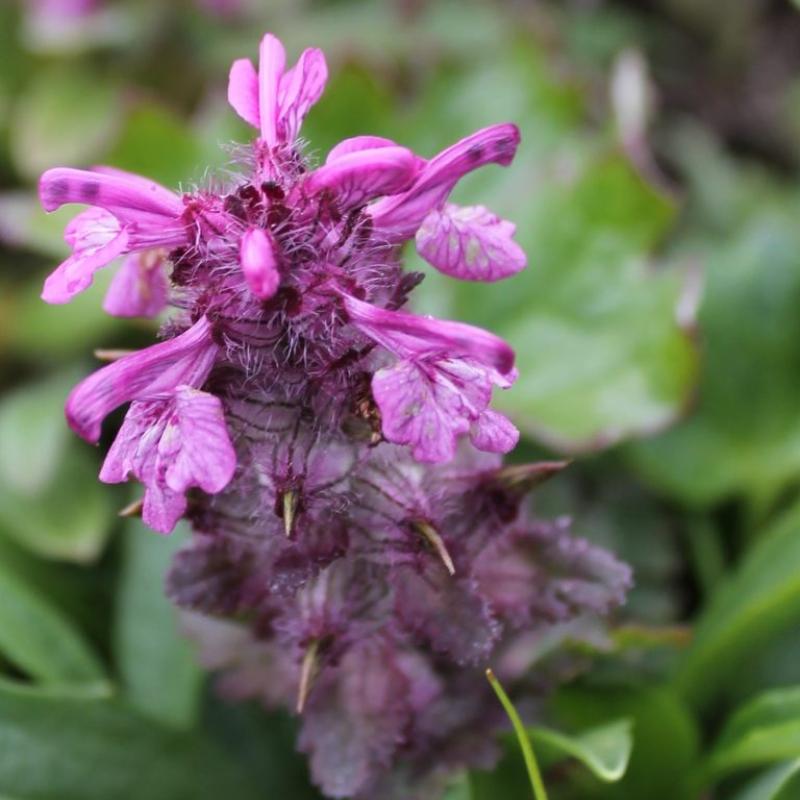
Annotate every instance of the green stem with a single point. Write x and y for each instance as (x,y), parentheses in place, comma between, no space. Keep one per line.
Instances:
(524,742)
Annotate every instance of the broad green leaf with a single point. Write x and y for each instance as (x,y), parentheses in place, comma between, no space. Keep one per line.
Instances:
(604,750)
(66,116)
(159,675)
(50,500)
(743,437)
(779,783)
(760,599)
(459,789)
(765,730)
(57,746)
(39,640)
(665,741)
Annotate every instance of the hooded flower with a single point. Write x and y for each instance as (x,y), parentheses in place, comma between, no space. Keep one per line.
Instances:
(361,552)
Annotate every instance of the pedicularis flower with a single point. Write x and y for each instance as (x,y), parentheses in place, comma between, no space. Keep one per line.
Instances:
(359,549)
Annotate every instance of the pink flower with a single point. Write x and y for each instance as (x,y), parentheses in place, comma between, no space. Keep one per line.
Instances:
(170,445)
(127,214)
(152,373)
(276,100)
(441,386)
(140,286)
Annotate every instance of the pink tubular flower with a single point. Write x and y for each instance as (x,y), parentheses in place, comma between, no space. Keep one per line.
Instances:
(127,214)
(140,286)
(442,385)
(273,99)
(151,373)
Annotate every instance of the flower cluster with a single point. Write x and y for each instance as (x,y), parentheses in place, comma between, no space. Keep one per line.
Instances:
(359,549)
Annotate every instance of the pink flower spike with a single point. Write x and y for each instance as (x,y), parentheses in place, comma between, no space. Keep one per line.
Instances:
(140,288)
(271,63)
(149,373)
(414,337)
(243,91)
(300,88)
(171,445)
(402,215)
(470,243)
(258,257)
(97,239)
(357,177)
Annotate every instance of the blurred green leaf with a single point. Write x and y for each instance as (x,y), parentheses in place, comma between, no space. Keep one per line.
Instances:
(744,435)
(160,145)
(604,750)
(66,116)
(779,783)
(159,675)
(459,789)
(760,599)
(50,501)
(38,639)
(665,743)
(765,730)
(57,746)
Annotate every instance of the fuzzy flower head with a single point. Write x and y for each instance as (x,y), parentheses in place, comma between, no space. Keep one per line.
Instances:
(336,454)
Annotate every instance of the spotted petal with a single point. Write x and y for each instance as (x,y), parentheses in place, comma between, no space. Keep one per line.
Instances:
(470,243)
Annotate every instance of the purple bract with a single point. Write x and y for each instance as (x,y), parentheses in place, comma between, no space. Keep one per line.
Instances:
(353,551)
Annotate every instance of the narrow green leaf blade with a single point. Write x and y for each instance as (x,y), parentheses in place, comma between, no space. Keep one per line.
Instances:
(778,783)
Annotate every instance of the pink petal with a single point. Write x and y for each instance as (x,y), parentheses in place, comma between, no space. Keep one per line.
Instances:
(494,433)
(358,177)
(186,359)
(411,336)
(243,91)
(470,243)
(94,250)
(400,216)
(163,508)
(271,63)
(204,455)
(258,257)
(300,88)
(140,287)
(357,143)
(427,408)
(121,194)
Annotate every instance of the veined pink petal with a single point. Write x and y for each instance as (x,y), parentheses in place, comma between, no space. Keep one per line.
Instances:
(150,373)
(97,240)
(357,143)
(300,88)
(271,63)
(122,195)
(414,337)
(198,446)
(360,176)
(140,287)
(428,406)
(470,243)
(243,91)
(494,433)
(258,257)
(401,216)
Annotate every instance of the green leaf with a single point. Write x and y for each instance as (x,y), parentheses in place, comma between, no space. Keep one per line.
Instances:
(779,783)
(604,750)
(743,437)
(40,641)
(56,746)
(50,500)
(760,599)
(66,116)
(459,789)
(159,675)
(765,730)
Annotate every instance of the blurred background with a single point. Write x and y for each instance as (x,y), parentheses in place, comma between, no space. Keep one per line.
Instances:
(657,329)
